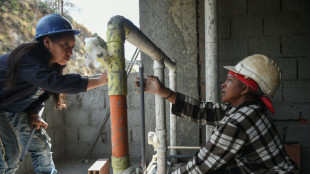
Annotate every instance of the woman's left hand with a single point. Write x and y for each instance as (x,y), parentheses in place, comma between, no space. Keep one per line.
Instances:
(36,120)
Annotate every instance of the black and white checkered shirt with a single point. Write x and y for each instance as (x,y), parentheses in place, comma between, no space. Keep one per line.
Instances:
(244,140)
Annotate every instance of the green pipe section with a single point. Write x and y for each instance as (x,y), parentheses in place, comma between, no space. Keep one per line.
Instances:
(116,66)
(120,164)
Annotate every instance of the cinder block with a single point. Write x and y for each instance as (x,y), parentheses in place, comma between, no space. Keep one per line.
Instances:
(278,97)
(305,159)
(97,117)
(235,49)
(246,26)
(299,134)
(296,91)
(288,68)
(228,8)
(281,24)
(263,7)
(293,6)
(303,22)
(224,28)
(286,111)
(304,110)
(268,45)
(95,98)
(74,100)
(77,149)
(72,134)
(282,127)
(295,46)
(103,148)
(101,166)
(60,136)
(86,134)
(304,68)
(53,117)
(77,116)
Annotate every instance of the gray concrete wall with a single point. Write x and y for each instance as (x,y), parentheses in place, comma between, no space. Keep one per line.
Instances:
(171,25)
(73,129)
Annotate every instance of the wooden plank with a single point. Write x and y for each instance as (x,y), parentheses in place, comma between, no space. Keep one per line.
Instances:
(101,166)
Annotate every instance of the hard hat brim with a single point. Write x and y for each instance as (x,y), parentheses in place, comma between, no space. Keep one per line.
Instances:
(75,32)
(231,68)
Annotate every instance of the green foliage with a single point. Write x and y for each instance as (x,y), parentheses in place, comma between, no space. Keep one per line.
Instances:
(11,6)
(43,7)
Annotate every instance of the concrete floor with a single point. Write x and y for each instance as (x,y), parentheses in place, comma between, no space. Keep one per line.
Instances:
(73,166)
(63,166)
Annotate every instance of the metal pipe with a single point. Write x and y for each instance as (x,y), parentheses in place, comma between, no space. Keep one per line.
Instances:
(141,69)
(211,55)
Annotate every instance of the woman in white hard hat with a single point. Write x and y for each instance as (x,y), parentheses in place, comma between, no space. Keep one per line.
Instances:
(244,139)
(29,75)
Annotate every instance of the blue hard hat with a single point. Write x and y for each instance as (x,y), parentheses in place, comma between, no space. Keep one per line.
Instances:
(53,23)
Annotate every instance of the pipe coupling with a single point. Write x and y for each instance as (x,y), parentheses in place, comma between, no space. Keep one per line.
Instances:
(120,164)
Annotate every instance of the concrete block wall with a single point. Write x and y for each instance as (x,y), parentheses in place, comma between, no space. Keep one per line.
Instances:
(73,129)
(280,30)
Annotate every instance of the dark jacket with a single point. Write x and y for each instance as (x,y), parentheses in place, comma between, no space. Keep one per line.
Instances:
(35,72)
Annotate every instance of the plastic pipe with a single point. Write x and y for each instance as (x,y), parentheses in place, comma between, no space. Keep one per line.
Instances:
(137,38)
(117,86)
(173,118)
(211,55)
(160,122)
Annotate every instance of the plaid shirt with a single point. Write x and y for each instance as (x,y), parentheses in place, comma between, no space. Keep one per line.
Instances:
(244,140)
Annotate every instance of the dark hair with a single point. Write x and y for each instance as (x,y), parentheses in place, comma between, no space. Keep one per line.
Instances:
(15,57)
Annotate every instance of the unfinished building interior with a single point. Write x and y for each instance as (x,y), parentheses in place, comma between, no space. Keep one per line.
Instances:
(198,37)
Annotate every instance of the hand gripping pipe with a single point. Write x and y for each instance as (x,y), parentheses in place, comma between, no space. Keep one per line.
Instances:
(120,28)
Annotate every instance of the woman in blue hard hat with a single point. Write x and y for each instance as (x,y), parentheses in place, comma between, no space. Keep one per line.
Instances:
(29,75)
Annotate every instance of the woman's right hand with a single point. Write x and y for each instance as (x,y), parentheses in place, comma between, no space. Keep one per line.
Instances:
(102,80)
(36,121)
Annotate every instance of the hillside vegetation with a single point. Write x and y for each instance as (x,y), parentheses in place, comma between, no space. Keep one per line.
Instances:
(18,19)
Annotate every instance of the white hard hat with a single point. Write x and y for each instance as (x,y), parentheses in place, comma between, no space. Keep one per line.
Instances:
(264,71)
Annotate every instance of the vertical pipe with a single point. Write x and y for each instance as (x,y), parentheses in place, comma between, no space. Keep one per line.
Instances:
(141,69)
(160,121)
(117,90)
(211,55)
(173,119)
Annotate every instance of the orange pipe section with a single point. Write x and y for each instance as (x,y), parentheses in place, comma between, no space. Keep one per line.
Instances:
(119,130)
